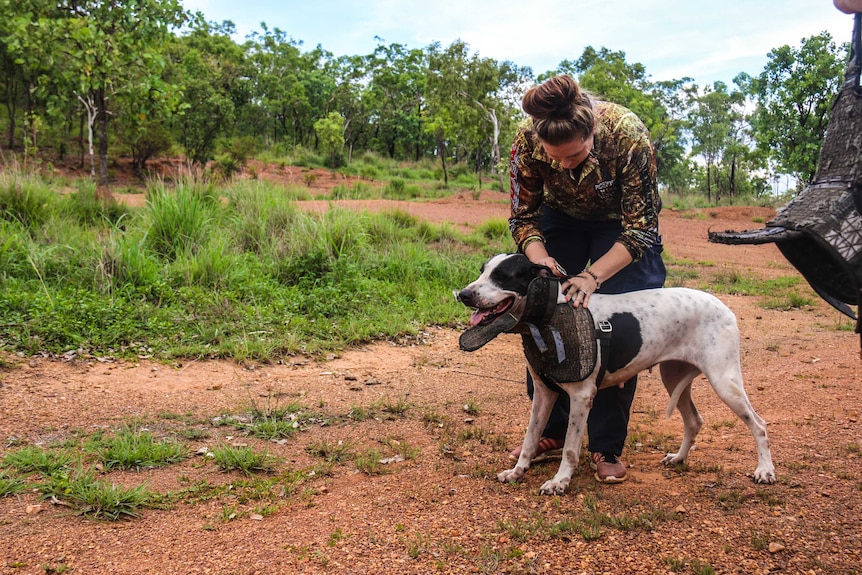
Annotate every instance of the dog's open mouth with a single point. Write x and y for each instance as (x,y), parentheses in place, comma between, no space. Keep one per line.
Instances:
(486,316)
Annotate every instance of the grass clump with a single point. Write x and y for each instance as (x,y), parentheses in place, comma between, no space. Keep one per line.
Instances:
(244,459)
(132,449)
(95,498)
(10,484)
(32,459)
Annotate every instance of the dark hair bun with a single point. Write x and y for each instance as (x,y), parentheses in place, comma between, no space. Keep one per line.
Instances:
(554,99)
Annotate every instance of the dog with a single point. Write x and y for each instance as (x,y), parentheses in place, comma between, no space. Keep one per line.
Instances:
(685,332)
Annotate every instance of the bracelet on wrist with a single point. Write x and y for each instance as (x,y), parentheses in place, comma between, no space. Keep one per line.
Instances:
(594,276)
(530,240)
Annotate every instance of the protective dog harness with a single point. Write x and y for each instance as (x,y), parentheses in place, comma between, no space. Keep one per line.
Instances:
(560,341)
(820,230)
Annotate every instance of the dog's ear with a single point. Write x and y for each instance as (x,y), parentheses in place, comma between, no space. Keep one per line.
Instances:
(542,271)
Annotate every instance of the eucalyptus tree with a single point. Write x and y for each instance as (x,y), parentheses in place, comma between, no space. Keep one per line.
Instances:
(349,75)
(213,72)
(794,95)
(395,100)
(464,105)
(277,60)
(713,123)
(97,50)
(13,83)
(292,86)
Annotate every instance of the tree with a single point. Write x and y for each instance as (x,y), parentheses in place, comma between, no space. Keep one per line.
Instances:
(395,100)
(711,121)
(97,49)
(463,104)
(794,94)
(212,71)
(330,133)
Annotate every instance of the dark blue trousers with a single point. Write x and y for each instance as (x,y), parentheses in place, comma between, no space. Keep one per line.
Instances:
(574,243)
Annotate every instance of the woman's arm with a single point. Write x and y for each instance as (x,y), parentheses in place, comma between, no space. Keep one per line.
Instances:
(526,189)
(848,6)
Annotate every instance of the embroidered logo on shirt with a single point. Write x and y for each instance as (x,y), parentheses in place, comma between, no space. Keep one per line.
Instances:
(605,189)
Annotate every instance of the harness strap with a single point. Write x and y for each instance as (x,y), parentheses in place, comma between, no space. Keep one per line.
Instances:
(537,337)
(603,335)
(856,52)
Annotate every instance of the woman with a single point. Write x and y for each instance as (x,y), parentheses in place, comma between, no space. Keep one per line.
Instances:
(584,197)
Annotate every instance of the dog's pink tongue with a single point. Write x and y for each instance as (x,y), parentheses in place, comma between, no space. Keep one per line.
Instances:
(478,316)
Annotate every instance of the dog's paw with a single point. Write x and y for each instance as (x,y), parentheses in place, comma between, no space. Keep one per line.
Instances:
(672,459)
(554,487)
(510,475)
(764,475)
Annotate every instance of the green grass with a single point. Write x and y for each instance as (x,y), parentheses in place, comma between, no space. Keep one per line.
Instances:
(31,459)
(11,485)
(95,498)
(244,459)
(234,270)
(132,449)
(331,452)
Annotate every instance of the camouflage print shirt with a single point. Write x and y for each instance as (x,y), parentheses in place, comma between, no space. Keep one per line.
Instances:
(617,181)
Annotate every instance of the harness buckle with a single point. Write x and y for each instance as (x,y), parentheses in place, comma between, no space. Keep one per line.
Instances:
(605,329)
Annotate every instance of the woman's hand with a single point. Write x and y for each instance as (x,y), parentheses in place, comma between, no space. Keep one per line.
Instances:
(579,288)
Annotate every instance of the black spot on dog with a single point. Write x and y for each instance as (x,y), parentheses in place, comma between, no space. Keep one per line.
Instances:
(626,340)
(514,273)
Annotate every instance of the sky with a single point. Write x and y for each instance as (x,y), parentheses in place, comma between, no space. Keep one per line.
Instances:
(706,40)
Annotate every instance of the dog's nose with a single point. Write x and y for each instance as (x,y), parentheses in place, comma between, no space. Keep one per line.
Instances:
(463,296)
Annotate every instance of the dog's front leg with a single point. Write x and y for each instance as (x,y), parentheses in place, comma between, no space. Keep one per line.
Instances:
(543,401)
(580,400)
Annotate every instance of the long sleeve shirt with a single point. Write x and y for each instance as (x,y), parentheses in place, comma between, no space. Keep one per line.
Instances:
(617,181)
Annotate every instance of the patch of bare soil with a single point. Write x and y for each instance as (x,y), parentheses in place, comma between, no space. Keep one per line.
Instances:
(441,510)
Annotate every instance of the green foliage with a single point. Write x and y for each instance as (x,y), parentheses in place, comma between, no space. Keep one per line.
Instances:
(179,221)
(35,459)
(94,498)
(134,449)
(10,485)
(244,459)
(330,133)
(794,95)
(25,199)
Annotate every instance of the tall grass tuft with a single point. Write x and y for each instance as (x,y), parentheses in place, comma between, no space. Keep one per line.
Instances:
(25,198)
(179,221)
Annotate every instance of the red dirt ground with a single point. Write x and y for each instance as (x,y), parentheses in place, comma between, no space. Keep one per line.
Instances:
(440,510)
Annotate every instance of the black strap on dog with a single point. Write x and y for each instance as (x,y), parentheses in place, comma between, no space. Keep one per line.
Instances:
(604,335)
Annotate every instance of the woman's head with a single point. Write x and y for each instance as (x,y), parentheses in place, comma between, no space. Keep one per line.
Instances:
(561,111)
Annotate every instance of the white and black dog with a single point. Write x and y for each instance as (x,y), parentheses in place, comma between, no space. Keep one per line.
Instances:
(686,332)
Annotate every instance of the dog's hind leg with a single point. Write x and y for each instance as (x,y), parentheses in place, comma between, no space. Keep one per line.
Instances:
(727,383)
(543,401)
(677,377)
(580,400)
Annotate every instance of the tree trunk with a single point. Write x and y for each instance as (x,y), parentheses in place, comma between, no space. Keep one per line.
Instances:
(90,109)
(495,149)
(441,151)
(81,140)
(708,184)
(732,178)
(11,109)
(102,127)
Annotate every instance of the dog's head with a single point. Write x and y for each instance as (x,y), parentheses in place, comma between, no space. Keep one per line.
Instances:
(500,288)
